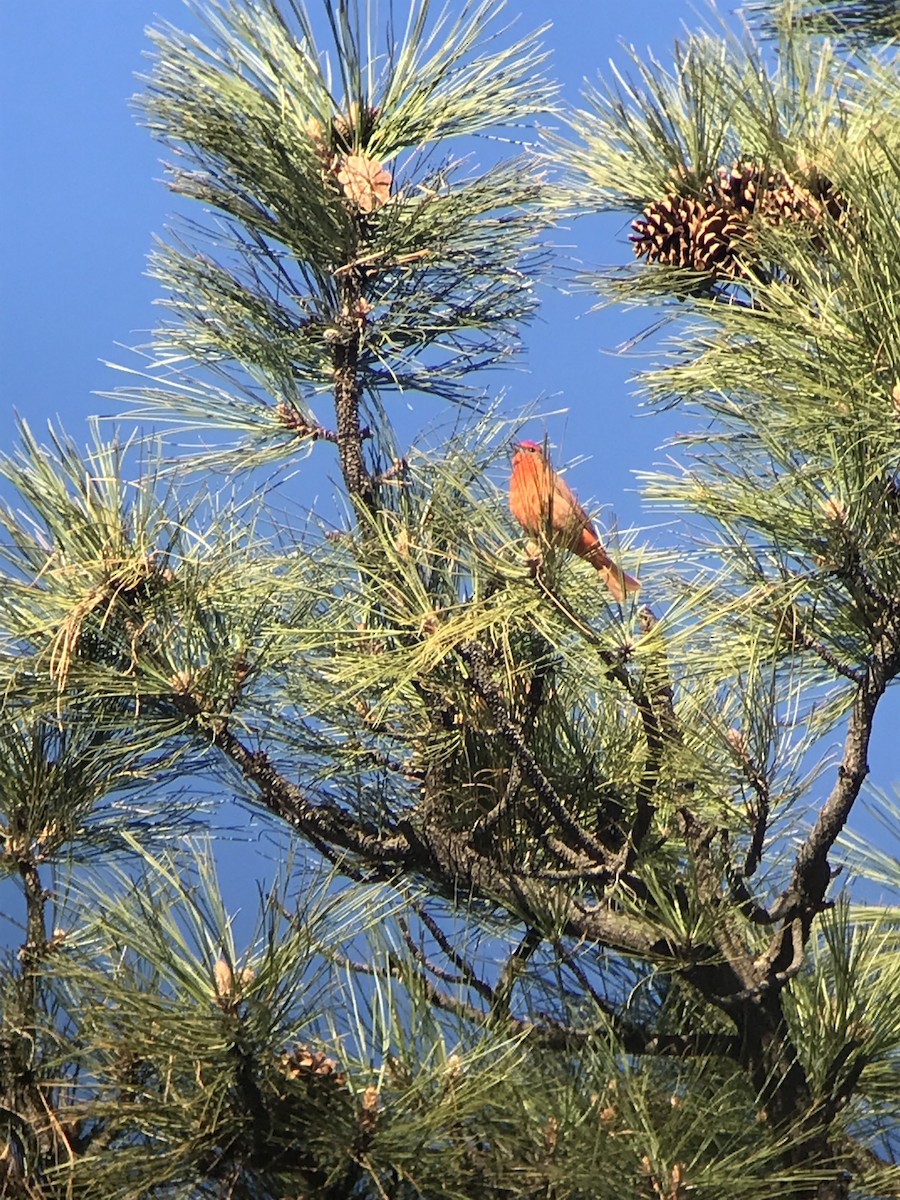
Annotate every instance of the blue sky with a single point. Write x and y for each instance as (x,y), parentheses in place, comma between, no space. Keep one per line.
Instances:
(82,197)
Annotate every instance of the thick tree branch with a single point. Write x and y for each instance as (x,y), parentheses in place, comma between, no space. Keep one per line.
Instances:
(811,874)
(35,945)
(322,823)
(451,860)
(445,856)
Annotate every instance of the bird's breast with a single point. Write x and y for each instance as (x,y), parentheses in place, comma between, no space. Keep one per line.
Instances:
(529,493)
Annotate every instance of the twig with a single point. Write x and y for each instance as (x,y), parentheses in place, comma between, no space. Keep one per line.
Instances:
(759,812)
(568,957)
(514,779)
(698,838)
(514,964)
(291,419)
(840,1094)
(798,633)
(465,968)
(420,956)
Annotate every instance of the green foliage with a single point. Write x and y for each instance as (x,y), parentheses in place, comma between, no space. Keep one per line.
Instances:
(796,365)
(576,939)
(429,278)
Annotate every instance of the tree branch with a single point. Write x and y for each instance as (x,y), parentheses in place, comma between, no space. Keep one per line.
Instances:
(514,965)
(466,971)
(35,945)
(800,635)
(321,823)
(812,874)
(347,392)
(659,696)
(554,1034)
(491,819)
(446,856)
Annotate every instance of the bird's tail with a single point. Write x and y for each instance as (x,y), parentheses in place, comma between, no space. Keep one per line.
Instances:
(619,582)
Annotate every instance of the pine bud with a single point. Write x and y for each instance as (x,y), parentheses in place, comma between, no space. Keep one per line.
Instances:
(223,978)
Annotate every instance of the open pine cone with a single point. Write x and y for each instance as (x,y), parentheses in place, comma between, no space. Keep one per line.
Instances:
(682,231)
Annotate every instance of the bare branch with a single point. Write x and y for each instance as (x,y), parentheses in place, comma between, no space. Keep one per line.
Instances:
(463,966)
(421,957)
(758,812)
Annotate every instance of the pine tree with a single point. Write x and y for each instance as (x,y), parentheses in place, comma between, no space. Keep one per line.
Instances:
(556,914)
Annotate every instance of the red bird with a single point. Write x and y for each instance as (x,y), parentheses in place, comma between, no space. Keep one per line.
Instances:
(545,506)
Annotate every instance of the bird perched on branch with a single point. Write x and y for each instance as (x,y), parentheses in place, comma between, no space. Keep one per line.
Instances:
(545,506)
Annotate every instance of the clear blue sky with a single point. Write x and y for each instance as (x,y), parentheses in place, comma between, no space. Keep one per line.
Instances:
(82,195)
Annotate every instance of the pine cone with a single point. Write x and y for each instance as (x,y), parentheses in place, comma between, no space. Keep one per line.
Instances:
(789,201)
(369,1108)
(364,180)
(304,1062)
(826,194)
(704,232)
(749,188)
(739,186)
(683,231)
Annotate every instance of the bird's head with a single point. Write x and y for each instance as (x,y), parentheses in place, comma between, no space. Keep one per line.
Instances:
(529,448)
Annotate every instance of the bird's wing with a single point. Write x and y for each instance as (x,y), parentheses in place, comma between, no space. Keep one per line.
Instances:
(566,515)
